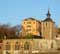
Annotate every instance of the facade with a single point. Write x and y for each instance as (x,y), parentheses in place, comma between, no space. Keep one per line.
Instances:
(31,26)
(48,27)
(21,46)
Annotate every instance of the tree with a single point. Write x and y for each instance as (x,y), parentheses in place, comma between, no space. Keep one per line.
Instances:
(9,32)
(17,29)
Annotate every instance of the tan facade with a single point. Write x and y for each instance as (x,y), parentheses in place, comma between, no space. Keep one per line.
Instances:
(19,46)
(48,30)
(31,26)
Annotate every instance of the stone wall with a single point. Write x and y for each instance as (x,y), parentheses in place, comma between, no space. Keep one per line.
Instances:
(32,45)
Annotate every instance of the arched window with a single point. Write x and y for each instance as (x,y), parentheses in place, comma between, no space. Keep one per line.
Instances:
(7,46)
(17,46)
(26,46)
(7,52)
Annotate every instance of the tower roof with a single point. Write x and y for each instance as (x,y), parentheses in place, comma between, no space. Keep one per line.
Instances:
(48,14)
(48,17)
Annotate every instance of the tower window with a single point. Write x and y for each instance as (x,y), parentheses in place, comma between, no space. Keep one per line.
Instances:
(46,23)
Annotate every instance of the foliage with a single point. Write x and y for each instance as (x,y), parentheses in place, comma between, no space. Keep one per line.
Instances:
(8,31)
(29,36)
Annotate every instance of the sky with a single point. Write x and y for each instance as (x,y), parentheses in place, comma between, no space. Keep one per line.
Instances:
(14,11)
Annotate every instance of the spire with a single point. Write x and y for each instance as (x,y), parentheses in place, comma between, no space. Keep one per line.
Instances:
(48,14)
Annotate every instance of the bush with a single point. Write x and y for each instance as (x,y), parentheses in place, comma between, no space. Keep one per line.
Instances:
(29,36)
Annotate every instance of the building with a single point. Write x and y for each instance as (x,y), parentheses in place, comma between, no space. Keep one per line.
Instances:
(45,28)
(49,42)
(25,46)
(31,26)
(48,27)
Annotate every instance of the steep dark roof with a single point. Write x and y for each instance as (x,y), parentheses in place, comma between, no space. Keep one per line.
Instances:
(48,19)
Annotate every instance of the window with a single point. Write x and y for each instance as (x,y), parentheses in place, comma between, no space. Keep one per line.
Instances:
(17,46)
(28,30)
(26,46)
(46,23)
(29,26)
(7,52)
(24,22)
(7,46)
(34,22)
(52,45)
(28,22)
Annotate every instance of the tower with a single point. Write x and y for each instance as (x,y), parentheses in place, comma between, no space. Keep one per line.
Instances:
(48,27)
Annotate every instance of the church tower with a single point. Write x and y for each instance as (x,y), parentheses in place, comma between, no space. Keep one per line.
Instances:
(48,27)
